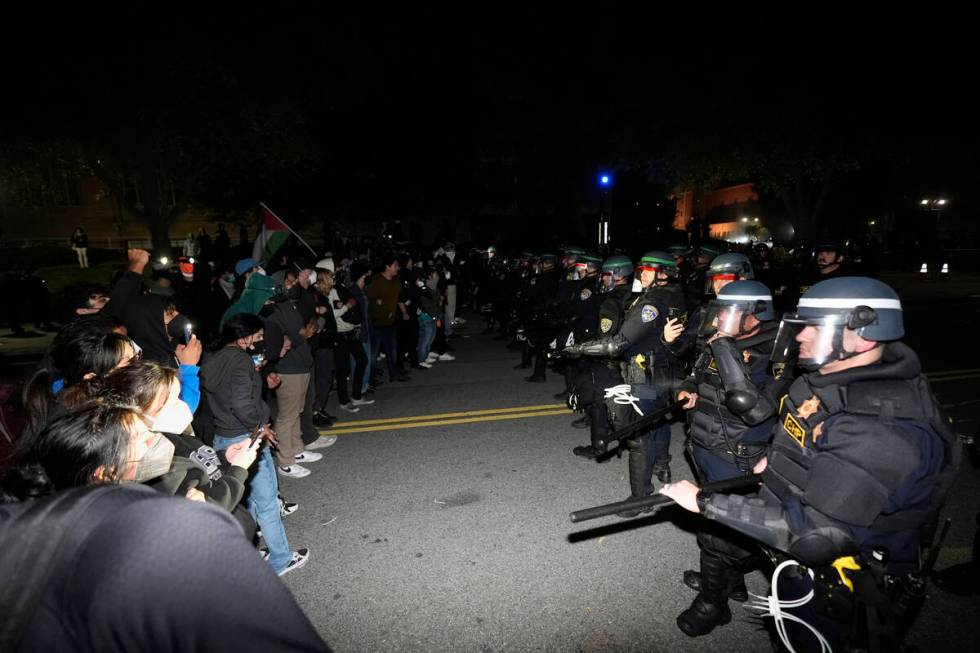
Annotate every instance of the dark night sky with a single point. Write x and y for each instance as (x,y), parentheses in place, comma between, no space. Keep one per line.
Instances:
(431,111)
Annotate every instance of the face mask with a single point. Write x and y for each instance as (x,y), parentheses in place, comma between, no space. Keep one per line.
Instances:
(260,270)
(157,460)
(637,286)
(313,277)
(175,417)
(257,348)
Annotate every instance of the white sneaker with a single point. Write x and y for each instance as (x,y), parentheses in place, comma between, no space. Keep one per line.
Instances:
(308,457)
(362,402)
(433,357)
(427,365)
(447,357)
(300,558)
(461,320)
(350,408)
(286,508)
(381,356)
(293,471)
(321,442)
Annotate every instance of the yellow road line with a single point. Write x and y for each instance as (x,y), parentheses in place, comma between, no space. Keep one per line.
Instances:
(468,413)
(444,422)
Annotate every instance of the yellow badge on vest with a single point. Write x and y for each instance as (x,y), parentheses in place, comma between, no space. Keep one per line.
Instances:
(795,430)
(808,407)
(605,324)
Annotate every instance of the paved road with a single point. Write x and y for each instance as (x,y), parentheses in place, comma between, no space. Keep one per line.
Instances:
(455,537)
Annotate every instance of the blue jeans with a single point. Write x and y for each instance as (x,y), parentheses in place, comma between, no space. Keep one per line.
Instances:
(427,333)
(383,339)
(263,502)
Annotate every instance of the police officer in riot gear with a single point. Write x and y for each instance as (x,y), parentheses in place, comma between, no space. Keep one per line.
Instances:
(726,268)
(581,320)
(568,288)
(858,468)
(615,282)
(542,314)
(828,262)
(646,368)
(681,336)
(731,397)
(694,273)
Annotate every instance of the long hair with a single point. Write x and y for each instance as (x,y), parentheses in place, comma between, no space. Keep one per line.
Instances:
(85,346)
(71,449)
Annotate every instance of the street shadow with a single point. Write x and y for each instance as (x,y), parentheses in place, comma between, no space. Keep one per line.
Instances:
(682,519)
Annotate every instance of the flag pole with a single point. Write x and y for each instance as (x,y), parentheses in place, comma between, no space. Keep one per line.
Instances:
(298,237)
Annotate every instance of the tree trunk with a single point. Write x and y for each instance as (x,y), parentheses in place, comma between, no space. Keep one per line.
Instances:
(159,235)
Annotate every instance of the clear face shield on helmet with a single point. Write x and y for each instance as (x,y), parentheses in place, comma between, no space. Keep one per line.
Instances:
(654,275)
(731,319)
(608,281)
(713,283)
(810,342)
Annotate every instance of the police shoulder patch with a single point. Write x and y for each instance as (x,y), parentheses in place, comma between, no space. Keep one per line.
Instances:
(585,294)
(648,313)
(794,429)
(605,324)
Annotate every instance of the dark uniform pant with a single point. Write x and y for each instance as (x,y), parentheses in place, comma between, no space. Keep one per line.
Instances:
(720,545)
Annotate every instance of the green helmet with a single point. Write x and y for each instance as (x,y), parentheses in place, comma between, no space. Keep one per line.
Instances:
(619,266)
(571,255)
(585,262)
(658,258)
(660,261)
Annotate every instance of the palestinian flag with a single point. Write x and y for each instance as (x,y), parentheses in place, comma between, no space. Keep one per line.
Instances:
(270,239)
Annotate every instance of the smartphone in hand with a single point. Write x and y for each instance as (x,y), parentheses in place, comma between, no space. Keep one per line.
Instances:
(256,434)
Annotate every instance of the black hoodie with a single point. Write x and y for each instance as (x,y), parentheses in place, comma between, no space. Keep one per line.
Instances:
(143,319)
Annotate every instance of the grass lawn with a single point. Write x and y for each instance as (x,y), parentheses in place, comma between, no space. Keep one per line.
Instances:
(59,277)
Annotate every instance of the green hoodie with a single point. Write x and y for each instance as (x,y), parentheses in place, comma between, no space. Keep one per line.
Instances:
(258,289)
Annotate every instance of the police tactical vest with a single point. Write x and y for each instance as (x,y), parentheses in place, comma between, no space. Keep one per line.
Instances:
(712,425)
(839,486)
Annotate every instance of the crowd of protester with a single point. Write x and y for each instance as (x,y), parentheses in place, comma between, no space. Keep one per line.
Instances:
(208,378)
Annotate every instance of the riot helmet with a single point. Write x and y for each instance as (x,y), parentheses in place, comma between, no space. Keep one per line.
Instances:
(616,270)
(659,266)
(726,268)
(738,309)
(818,332)
(828,256)
(587,264)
